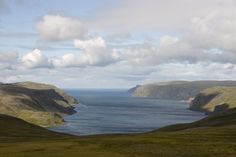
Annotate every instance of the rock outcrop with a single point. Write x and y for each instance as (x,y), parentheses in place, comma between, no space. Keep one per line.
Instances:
(214,100)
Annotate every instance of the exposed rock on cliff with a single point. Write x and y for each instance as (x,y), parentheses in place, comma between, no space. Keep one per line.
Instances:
(36,103)
(215,100)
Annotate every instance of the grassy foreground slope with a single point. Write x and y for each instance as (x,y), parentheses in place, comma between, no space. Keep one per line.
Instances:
(214,136)
(14,129)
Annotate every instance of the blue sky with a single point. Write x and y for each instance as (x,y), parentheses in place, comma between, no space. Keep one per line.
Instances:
(116,44)
(21,17)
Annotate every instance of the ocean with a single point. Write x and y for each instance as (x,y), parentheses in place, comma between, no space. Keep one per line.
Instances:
(117,112)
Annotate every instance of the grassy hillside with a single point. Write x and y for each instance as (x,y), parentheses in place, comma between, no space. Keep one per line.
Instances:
(12,128)
(40,104)
(226,118)
(211,137)
(176,90)
(215,99)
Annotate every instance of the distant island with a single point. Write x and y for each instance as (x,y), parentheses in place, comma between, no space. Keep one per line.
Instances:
(37,103)
(204,96)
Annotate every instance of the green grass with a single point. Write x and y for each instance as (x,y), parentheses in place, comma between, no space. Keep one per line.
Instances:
(211,137)
(44,119)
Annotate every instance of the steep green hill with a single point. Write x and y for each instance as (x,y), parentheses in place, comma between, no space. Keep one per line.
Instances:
(40,104)
(176,90)
(214,136)
(215,99)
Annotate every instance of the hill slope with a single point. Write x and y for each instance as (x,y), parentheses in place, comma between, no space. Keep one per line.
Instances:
(14,128)
(224,118)
(176,90)
(40,104)
(214,136)
(214,99)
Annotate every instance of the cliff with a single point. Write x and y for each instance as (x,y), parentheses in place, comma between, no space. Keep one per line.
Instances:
(36,103)
(176,90)
(215,99)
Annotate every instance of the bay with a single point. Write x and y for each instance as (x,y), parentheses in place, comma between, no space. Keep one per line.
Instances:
(115,111)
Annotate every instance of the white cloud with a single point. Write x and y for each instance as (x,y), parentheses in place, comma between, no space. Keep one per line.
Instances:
(67,60)
(191,39)
(214,31)
(209,38)
(88,44)
(95,53)
(35,59)
(196,71)
(56,27)
(157,14)
(168,40)
(121,75)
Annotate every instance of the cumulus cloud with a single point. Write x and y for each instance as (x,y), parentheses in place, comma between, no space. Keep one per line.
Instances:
(208,34)
(214,31)
(186,40)
(209,38)
(35,59)
(67,60)
(92,43)
(56,27)
(95,53)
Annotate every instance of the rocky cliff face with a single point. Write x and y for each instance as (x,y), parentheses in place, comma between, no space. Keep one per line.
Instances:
(36,103)
(177,90)
(215,100)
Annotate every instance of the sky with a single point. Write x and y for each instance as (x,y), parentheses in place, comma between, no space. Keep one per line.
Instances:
(116,43)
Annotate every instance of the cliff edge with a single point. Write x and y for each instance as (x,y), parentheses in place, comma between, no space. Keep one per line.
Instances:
(176,90)
(37,103)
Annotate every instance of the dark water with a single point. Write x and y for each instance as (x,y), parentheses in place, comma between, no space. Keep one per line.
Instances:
(115,111)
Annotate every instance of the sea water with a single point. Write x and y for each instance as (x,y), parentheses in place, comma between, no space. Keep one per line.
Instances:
(116,111)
